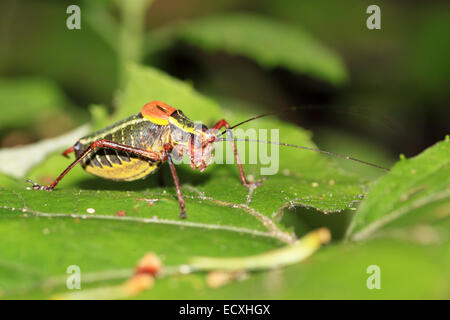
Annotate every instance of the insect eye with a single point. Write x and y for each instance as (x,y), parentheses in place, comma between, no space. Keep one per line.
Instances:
(77,146)
(178,115)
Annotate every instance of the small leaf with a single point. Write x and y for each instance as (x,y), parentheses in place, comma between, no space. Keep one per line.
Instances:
(289,255)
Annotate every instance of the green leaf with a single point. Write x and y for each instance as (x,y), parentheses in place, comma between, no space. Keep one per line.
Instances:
(268,42)
(48,245)
(225,219)
(417,190)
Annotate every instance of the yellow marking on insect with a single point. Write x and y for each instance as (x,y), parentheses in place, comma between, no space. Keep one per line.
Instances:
(135,169)
(156,120)
(184,127)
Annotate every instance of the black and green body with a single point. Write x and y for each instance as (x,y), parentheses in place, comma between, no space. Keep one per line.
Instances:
(135,131)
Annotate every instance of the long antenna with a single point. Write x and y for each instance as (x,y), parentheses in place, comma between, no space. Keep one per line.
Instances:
(257,117)
(293,108)
(308,148)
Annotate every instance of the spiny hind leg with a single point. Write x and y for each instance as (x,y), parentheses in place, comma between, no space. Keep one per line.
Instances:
(102,144)
(177,187)
(219,125)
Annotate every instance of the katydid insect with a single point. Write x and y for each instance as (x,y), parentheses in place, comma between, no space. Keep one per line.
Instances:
(135,147)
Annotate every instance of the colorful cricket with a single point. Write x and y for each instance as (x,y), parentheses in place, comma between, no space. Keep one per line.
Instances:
(134,147)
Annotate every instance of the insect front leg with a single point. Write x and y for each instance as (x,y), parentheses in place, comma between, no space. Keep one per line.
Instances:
(150,155)
(223,123)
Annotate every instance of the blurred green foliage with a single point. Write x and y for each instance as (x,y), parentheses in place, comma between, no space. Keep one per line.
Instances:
(28,99)
(269,43)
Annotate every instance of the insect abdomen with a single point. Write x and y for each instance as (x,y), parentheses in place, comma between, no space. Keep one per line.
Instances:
(134,131)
